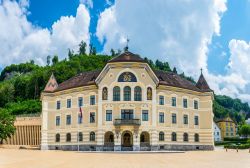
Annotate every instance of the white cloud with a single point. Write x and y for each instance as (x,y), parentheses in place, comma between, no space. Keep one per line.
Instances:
(88,3)
(22,41)
(236,82)
(177,31)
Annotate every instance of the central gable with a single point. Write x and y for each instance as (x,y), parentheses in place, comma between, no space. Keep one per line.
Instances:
(127,72)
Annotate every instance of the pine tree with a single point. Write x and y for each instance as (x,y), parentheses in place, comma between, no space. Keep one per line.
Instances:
(82,48)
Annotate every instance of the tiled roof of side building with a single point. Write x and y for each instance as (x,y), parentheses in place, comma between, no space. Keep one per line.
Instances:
(173,79)
(82,79)
(127,57)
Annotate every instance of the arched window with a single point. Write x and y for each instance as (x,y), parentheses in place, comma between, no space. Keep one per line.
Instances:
(68,137)
(92,136)
(127,93)
(105,93)
(57,137)
(80,137)
(196,137)
(161,136)
(174,137)
(185,137)
(137,93)
(127,77)
(149,93)
(116,93)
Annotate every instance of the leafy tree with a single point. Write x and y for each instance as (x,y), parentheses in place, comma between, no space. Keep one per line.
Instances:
(112,51)
(55,60)
(245,130)
(48,60)
(70,53)
(32,62)
(82,48)
(7,127)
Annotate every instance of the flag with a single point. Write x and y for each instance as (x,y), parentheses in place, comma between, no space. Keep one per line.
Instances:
(80,115)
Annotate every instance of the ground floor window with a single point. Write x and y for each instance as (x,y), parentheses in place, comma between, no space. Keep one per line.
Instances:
(80,137)
(68,137)
(196,137)
(173,136)
(185,137)
(161,136)
(92,136)
(57,137)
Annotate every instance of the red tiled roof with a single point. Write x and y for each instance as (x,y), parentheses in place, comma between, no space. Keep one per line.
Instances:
(82,79)
(127,57)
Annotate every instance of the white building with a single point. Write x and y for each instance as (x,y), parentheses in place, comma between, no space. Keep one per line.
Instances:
(217,132)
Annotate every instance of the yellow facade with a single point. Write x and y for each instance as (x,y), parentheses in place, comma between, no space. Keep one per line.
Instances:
(227,127)
(145,124)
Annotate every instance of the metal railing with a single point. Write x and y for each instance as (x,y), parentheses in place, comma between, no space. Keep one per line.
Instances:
(118,122)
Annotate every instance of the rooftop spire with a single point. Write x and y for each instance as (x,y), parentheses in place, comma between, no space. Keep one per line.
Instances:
(52,84)
(202,83)
(126,48)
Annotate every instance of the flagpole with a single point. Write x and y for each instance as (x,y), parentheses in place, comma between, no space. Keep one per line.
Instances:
(78,134)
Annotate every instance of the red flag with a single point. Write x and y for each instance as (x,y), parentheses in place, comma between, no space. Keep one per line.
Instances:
(80,114)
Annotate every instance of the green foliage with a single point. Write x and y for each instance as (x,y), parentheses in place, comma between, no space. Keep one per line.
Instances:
(224,106)
(234,146)
(24,107)
(6,124)
(245,130)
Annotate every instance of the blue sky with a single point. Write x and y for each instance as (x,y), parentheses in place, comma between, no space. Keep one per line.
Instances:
(45,13)
(209,34)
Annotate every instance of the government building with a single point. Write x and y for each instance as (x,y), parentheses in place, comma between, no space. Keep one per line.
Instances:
(127,106)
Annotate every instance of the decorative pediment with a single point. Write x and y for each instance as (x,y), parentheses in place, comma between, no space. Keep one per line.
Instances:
(127,106)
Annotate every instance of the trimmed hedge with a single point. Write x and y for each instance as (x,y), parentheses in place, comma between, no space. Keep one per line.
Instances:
(241,146)
(236,139)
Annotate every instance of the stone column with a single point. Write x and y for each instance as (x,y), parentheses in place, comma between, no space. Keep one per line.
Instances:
(154,137)
(117,140)
(44,141)
(100,132)
(136,141)
(154,140)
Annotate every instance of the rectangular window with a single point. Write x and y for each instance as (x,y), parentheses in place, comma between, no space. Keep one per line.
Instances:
(185,119)
(80,101)
(161,100)
(68,103)
(161,117)
(174,118)
(127,114)
(108,115)
(57,120)
(196,120)
(92,100)
(68,119)
(144,115)
(92,117)
(58,105)
(196,104)
(185,103)
(174,101)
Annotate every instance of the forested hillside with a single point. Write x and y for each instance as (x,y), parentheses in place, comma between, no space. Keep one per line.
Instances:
(21,84)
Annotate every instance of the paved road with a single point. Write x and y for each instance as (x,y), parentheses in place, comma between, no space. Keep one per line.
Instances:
(13,158)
